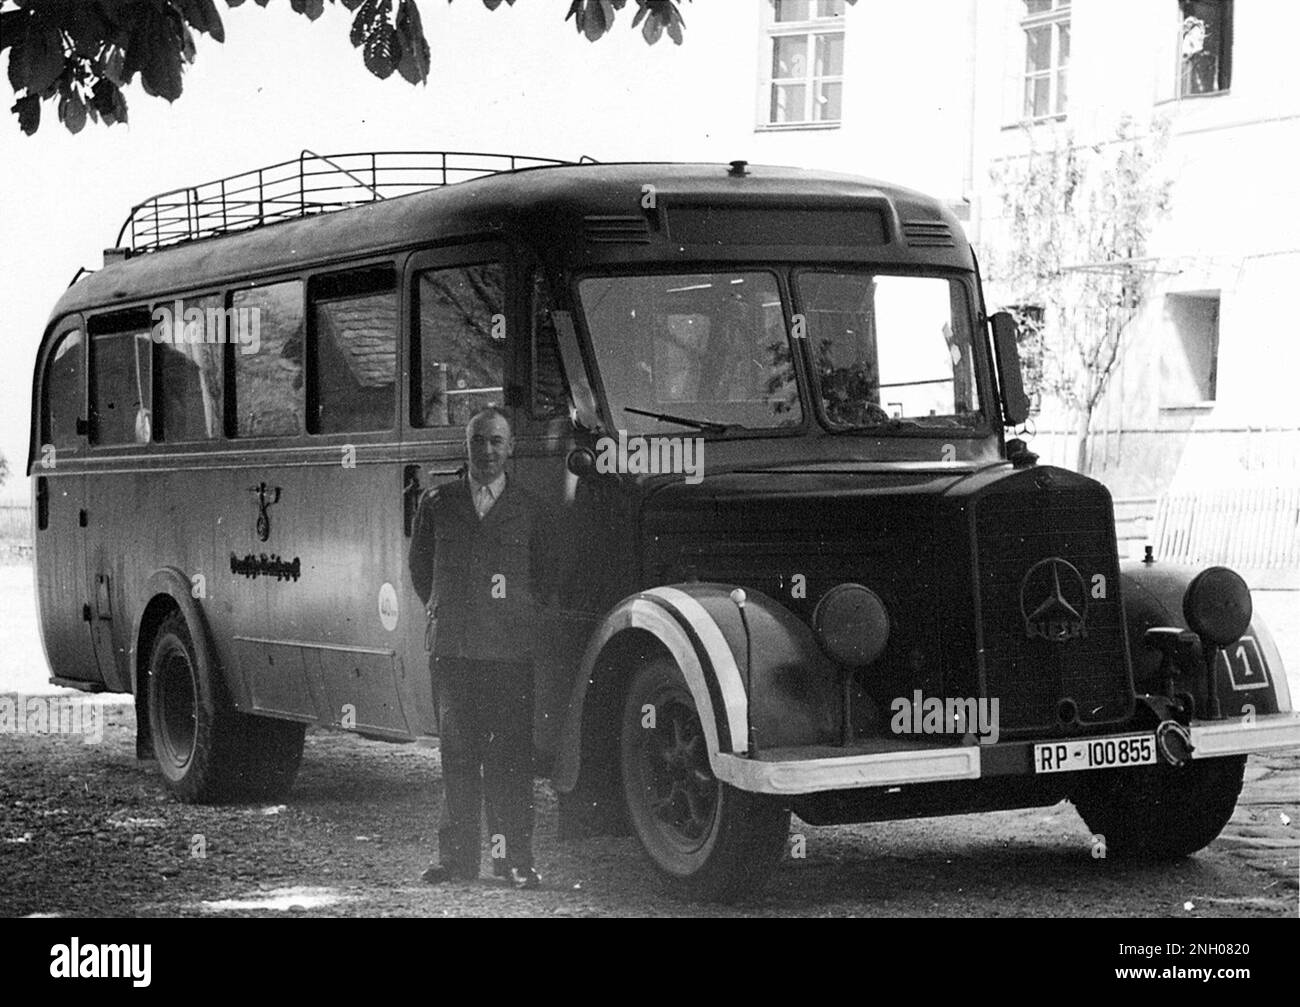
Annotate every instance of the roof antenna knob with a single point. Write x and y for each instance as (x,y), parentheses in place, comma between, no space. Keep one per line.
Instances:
(738,169)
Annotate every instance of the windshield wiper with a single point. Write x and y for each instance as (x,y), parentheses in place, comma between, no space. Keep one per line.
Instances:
(686,421)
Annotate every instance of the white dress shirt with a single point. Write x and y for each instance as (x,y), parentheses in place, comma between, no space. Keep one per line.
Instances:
(485,495)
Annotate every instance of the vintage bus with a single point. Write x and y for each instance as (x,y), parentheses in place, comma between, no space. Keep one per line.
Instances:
(810,568)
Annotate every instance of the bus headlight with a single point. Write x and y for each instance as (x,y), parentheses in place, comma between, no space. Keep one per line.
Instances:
(1217,606)
(852,624)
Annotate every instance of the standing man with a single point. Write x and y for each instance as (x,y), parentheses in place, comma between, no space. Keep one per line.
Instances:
(477,561)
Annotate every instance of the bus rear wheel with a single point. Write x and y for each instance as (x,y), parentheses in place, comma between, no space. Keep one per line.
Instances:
(206,750)
(710,841)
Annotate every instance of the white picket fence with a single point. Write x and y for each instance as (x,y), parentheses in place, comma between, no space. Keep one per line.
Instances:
(1248,529)
(15,529)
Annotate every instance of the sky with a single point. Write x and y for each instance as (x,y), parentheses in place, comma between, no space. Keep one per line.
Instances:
(515,80)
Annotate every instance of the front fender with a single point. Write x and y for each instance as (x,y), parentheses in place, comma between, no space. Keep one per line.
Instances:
(1250,678)
(772,683)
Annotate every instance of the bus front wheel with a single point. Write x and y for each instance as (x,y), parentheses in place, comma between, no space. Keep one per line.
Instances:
(711,841)
(206,750)
(1160,812)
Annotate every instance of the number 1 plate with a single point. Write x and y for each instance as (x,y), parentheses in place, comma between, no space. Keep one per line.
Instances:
(1095,753)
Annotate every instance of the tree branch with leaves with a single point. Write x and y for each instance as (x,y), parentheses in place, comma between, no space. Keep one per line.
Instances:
(80,54)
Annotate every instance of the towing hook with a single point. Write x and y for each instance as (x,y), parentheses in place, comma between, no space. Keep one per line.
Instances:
(1174,742)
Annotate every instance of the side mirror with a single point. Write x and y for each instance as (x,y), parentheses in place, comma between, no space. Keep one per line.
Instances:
(1015,404)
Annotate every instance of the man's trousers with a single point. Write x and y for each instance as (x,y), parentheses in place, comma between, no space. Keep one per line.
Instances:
(486,728)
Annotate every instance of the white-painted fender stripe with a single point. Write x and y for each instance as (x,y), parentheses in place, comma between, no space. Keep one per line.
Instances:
(719,654)
(655,618)
(641,614)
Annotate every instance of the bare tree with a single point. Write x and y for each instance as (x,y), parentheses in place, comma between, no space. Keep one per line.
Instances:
(1072,260)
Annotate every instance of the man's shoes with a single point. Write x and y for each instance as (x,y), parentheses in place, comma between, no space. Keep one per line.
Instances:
(525,877)
(440,874)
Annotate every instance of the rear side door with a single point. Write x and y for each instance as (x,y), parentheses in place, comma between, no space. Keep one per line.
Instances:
(62,419)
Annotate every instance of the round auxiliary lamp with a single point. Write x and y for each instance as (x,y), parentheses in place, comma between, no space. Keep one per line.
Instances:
(852,626)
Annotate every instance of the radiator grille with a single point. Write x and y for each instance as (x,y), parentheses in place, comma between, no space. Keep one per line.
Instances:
(1028,674)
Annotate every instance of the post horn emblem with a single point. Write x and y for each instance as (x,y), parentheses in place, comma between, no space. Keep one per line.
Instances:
(266,496)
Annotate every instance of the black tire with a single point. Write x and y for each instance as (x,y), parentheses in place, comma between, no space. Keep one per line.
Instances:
(710,841)
(1160,812)
(268,757)
(206,750)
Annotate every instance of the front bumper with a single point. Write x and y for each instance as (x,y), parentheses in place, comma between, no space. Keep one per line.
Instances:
(785,772)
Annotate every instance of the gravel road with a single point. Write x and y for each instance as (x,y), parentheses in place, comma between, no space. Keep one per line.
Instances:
(87,830)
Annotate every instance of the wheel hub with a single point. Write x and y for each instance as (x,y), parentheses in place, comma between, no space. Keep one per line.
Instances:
(178,713)
(683,792)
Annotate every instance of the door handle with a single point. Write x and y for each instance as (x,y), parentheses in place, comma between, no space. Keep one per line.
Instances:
(410,496)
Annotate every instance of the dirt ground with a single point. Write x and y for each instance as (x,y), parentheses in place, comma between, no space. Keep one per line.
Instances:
(87,830)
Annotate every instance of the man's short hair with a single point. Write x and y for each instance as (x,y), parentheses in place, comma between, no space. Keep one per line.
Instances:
(490,411)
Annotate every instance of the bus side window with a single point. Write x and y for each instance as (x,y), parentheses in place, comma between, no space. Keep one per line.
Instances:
(461,317)
(191,376)
(550,389)
(268,353)
(354,350)
(64,393)
(121,377)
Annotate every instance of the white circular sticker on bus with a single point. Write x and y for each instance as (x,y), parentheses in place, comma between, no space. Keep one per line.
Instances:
(388,606)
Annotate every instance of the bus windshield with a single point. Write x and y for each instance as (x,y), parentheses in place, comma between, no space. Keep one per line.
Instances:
(712,350)
(889,350)
(709,349)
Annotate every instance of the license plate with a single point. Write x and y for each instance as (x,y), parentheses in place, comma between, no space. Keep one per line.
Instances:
(1095,753)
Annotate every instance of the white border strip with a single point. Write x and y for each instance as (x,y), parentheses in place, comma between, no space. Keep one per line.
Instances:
(734,697)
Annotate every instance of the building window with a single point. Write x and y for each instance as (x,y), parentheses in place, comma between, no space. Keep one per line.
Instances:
(1046,25)
(1031,329)
(1191,371)
(1205,51)
(804,79)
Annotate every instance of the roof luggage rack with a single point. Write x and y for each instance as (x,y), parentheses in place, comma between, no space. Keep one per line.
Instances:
(309,184)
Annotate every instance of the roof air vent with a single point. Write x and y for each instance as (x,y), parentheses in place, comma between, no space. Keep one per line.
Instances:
(927,233)
(608,229)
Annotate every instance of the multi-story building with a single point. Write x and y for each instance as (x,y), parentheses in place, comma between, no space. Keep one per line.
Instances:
(946,96)
(1202,394)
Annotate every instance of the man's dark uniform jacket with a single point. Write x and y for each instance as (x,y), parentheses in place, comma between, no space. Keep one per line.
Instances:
(485,577)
